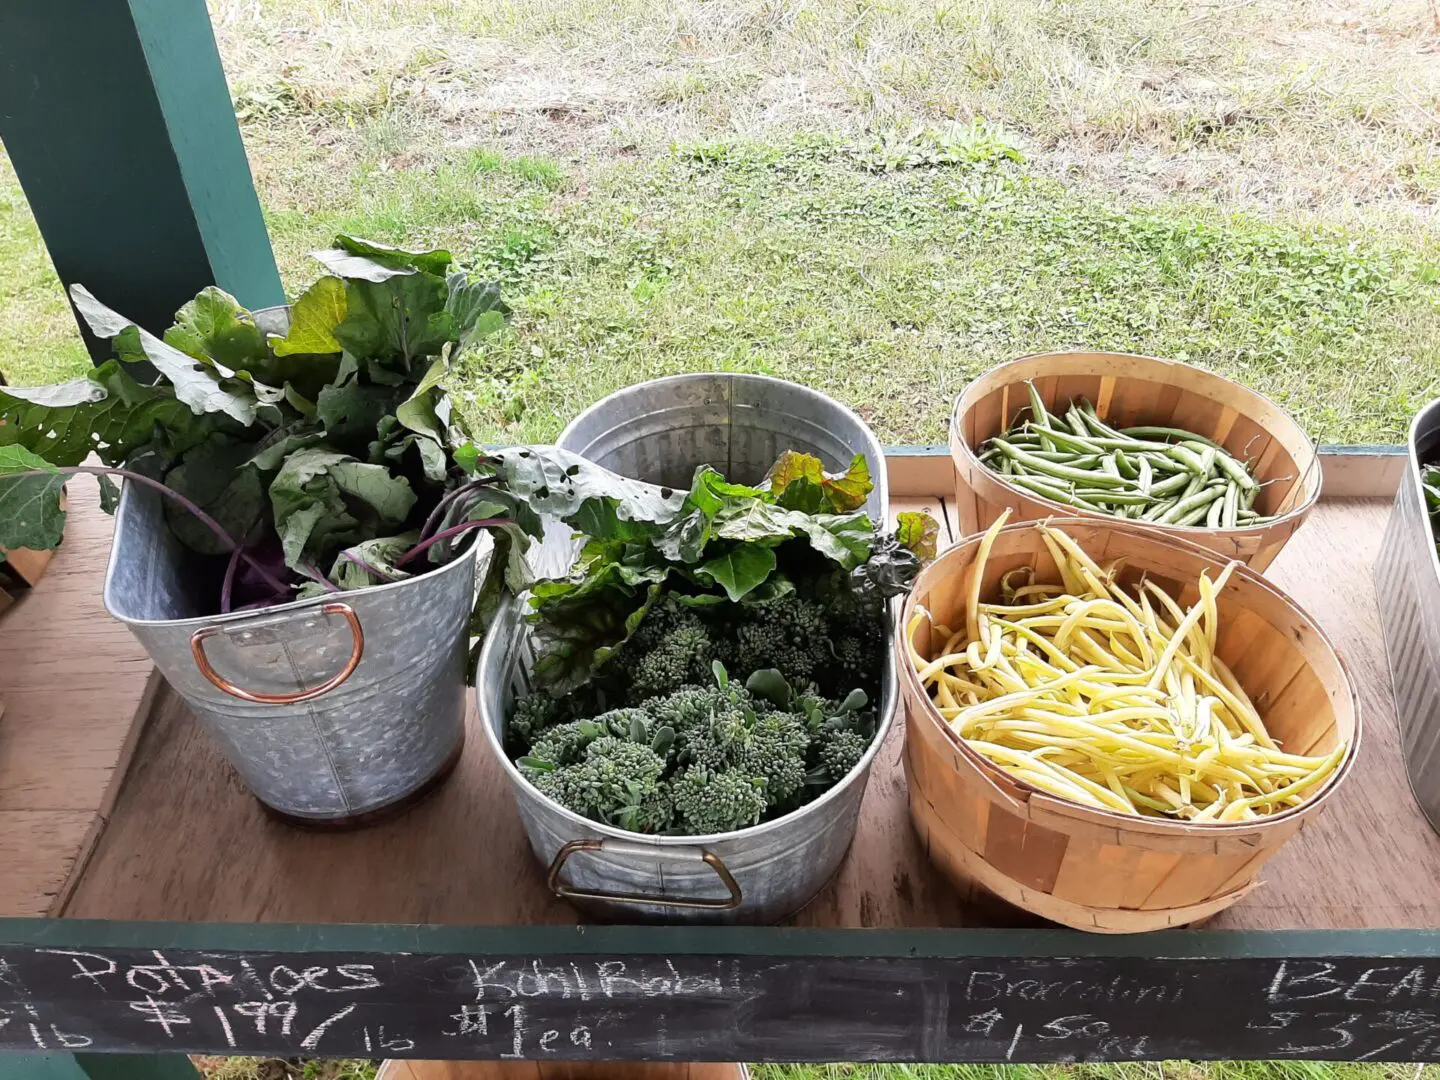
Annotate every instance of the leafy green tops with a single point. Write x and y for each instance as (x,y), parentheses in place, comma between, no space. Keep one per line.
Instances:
(321,453)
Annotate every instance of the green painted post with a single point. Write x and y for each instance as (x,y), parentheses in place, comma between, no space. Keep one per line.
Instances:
(117,118)
(55,1066)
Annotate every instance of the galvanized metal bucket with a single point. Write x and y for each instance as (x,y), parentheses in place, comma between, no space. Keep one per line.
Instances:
(334,710)
(661,431)
(1407,588)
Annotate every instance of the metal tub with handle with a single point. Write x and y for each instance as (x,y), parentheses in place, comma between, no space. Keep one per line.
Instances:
(661,431)
(331,709)
(335,710)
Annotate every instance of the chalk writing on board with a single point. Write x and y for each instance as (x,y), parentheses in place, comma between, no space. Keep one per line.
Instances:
(1310,980)
(736,1006)
(997,985)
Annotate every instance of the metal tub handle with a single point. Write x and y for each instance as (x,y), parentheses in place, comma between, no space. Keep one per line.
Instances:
(197,648)
(621,847)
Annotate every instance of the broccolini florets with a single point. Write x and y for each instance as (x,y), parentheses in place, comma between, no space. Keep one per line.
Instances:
(703,759)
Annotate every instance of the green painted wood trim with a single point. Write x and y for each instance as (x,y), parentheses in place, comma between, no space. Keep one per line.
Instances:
(97,1067)
(117,118)
(713,941)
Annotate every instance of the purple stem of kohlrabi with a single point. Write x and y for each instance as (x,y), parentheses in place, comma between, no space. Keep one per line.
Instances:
(448,499)
(446,534)
(171,494)
(373,571)
(229,582)
(314,573)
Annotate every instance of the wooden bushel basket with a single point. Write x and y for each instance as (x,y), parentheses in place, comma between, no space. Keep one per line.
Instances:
(1128,391)
(1097,869)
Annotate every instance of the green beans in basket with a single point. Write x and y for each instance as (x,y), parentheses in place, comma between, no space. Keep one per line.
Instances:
(1158,474)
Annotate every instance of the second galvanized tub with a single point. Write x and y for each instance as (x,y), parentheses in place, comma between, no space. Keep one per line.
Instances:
(661,431)
(1407,587)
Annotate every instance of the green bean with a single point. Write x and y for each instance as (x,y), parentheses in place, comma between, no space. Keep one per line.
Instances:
(1152,432)
(1050,491)
(1172,485)
(1037,405)
(1066,457)
(1189,459)
(1069,453)
(1070,440)
(1194,517)
(1236,472)
(1128,468)
(1098,426)
(1119,498)
(1061,472)
(1200,500)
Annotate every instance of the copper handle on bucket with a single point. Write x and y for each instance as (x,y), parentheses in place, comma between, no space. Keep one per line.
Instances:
(197,647)
(709,858)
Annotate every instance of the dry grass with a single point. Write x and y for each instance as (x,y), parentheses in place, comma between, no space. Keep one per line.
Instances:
(1319,104)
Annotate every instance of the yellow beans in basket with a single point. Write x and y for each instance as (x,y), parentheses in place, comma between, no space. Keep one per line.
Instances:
(1108,697)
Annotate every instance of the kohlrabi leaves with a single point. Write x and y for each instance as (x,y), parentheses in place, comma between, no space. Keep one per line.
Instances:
(313,319)
(270,453)
(350,414)
(109,493)
(196,384)
(352,257)
(30,512)
(403,317)
(373,562)
(418,412)
(105,413)
(474,307)
(210,475)
(215,327)
(388,495)
(319,496)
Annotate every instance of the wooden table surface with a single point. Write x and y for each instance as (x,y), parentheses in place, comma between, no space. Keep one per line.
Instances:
(186,842)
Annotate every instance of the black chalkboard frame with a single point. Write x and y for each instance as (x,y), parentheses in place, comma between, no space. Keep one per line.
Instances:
(695,993)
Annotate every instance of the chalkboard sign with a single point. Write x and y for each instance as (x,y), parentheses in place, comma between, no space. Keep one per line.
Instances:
(730,1007)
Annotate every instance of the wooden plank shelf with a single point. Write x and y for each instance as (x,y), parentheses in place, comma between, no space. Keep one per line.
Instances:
(199,924)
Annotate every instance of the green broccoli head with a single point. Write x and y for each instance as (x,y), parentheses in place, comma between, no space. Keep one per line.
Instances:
(790,634)
(840,751)
(774,749)
(564,744)
(715,802)
(616,781)
(682,657)
(532,714)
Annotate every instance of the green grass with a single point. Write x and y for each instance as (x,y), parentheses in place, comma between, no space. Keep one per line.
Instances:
(888,289)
